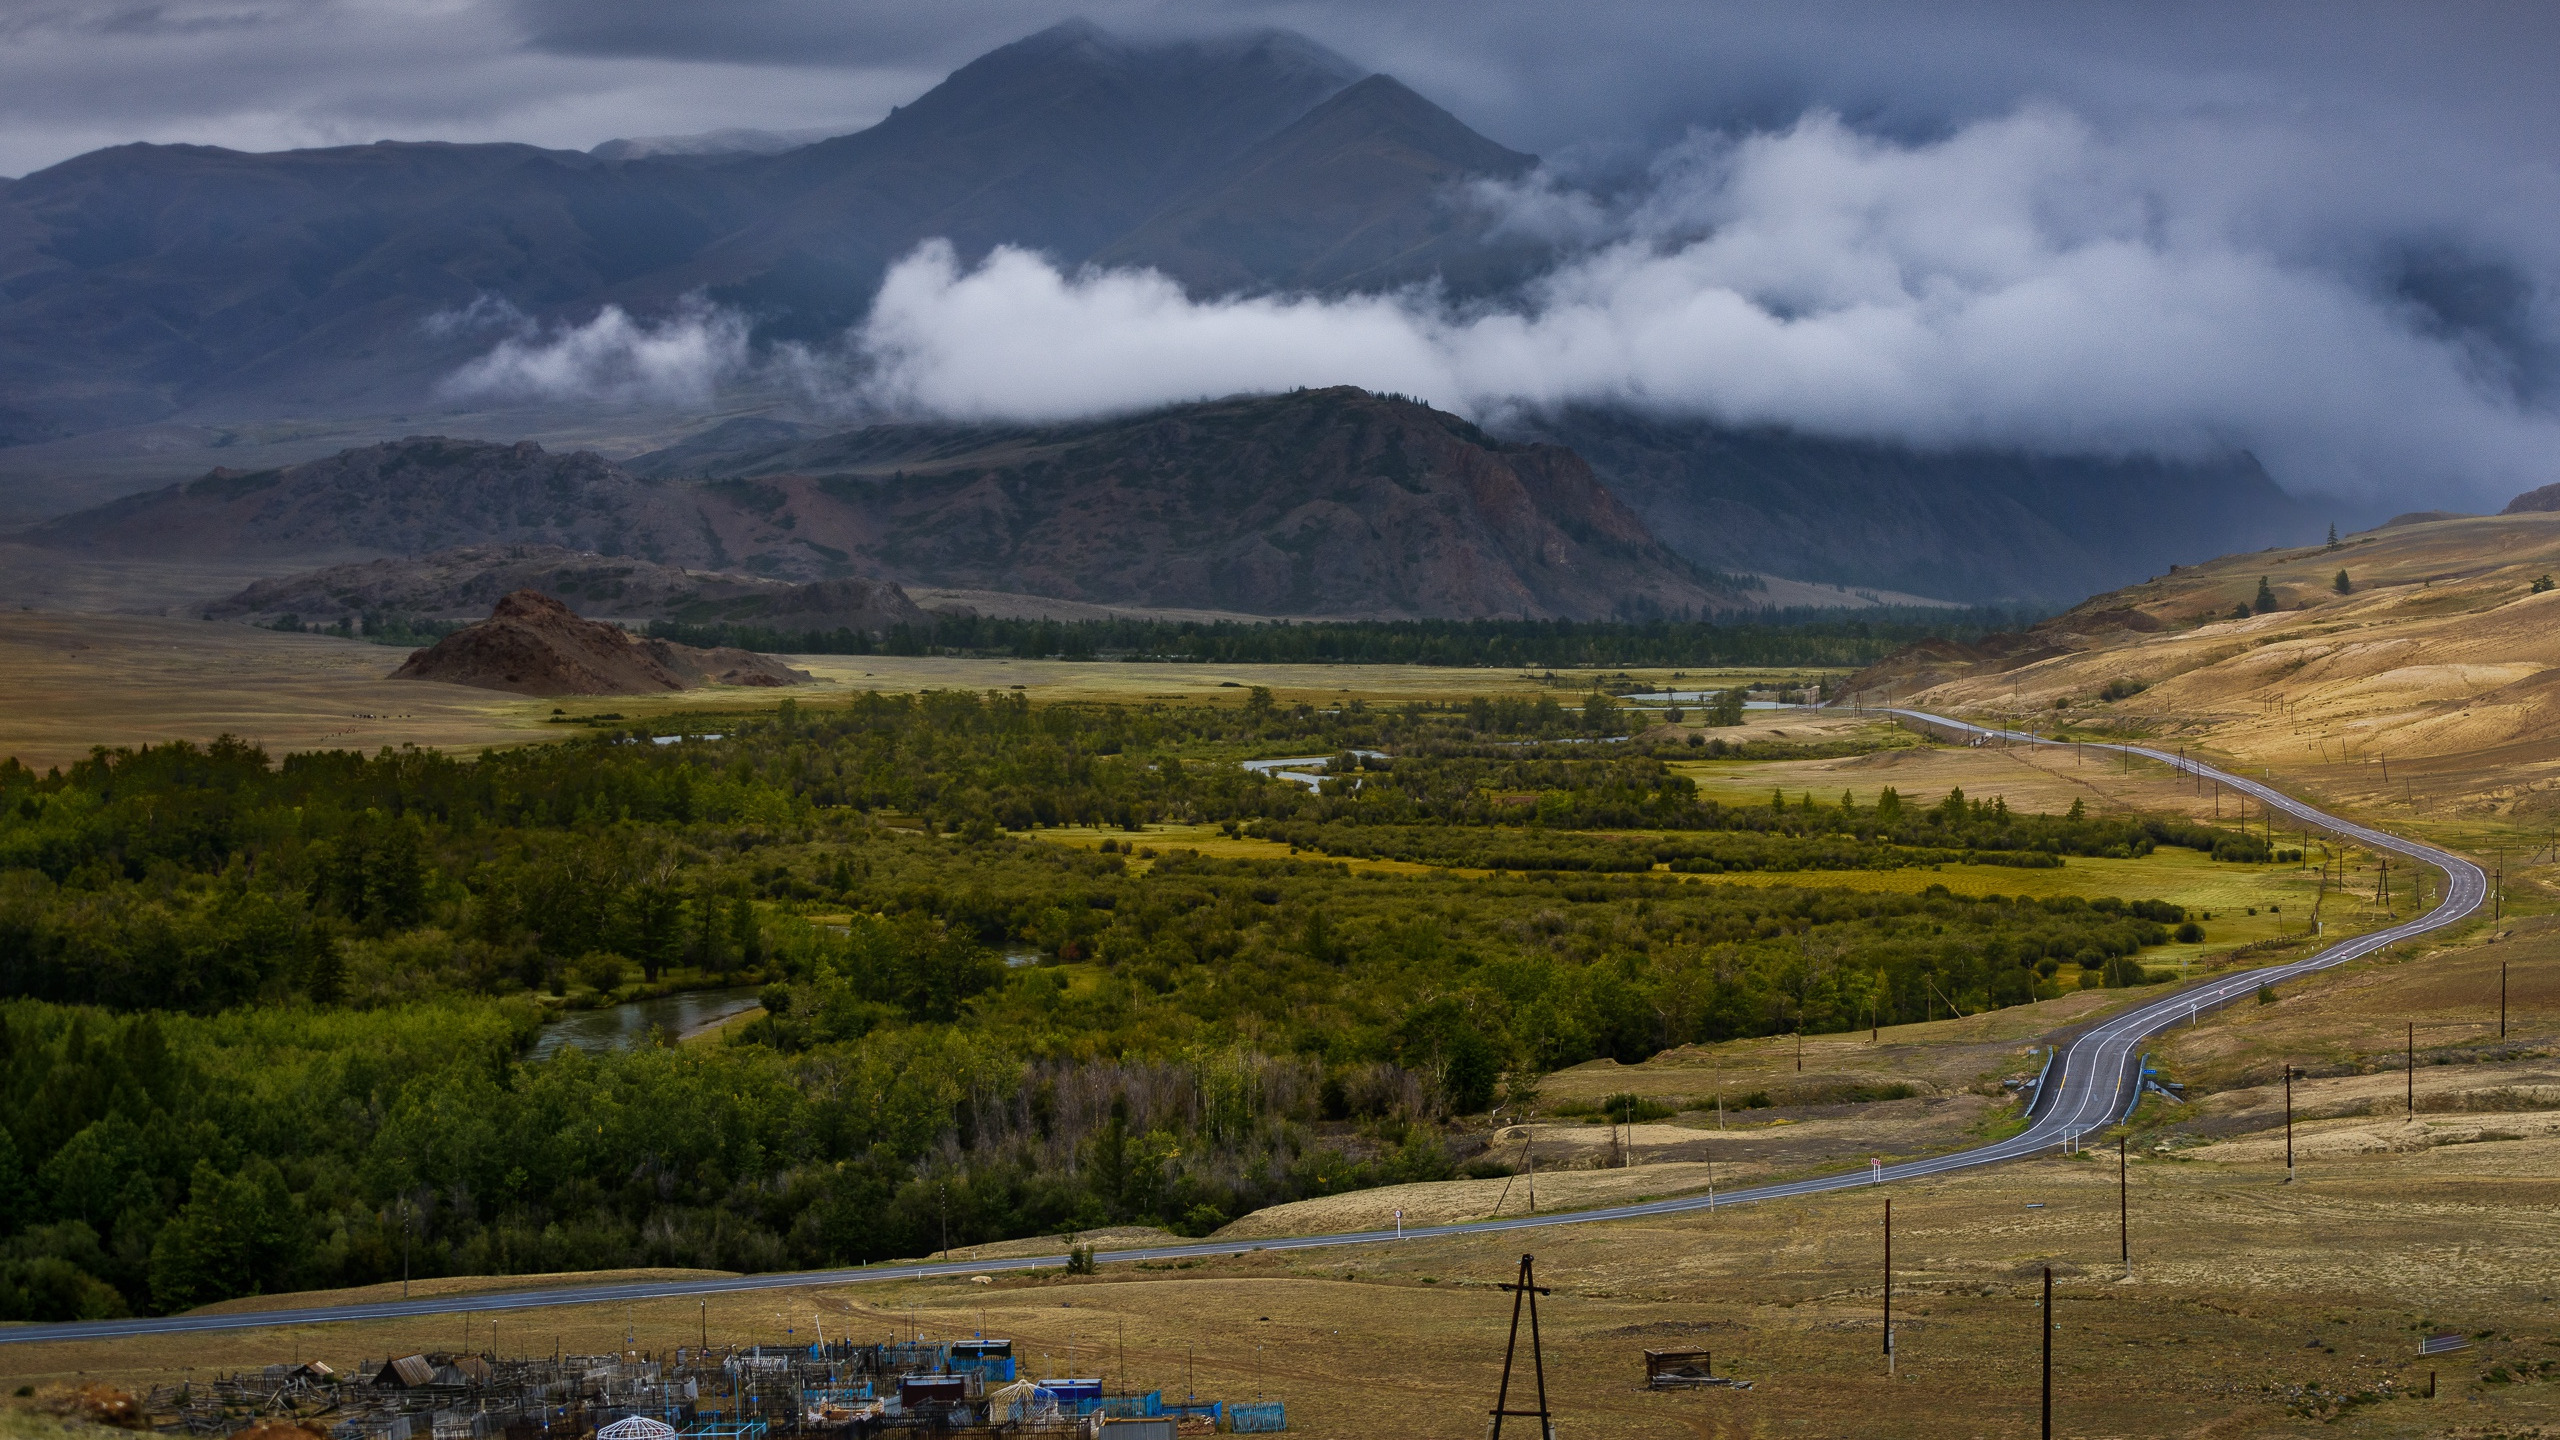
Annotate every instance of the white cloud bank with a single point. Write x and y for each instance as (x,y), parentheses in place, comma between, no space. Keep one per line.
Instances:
(679,360)
(2017,283)
(2020,282)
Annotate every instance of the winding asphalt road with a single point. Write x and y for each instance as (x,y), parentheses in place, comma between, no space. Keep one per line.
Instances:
(2089,1086)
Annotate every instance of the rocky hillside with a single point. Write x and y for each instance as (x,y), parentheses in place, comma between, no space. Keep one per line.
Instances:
(1324,502)
(407,497)
(532,644)
(1321,502)
(466,580)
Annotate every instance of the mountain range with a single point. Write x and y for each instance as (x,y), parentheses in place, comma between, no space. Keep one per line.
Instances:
(462,582)
(1319,502)
(145,281)
(181,294)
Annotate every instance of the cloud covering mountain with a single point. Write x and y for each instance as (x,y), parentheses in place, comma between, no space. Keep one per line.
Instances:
(2025,281)
(2329,236)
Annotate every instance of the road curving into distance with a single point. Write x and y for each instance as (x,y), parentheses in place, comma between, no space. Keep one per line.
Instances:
(2092,1084)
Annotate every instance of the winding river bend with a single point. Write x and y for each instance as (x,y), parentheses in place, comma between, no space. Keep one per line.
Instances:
(628,1025)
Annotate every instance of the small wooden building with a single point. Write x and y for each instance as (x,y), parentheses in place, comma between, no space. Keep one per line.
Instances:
(409,1372)
(1673,1369)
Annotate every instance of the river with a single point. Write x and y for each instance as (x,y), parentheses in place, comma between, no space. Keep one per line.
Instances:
(621,1027)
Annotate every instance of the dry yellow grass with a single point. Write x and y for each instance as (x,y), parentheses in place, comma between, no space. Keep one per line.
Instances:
(79,680)
(2437,667)
(449,1285)
(2246,1289)
(1124,682)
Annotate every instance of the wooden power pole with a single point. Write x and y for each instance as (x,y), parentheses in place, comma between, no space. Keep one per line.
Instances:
(1525,1289)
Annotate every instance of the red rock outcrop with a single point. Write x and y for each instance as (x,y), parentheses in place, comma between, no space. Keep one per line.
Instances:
(532,644)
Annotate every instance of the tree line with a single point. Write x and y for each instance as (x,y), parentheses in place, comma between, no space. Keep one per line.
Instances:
(1769,637)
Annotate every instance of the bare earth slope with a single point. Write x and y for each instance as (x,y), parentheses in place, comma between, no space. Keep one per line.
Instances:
(534,645)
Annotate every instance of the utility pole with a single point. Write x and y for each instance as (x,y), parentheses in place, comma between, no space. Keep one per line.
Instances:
(2288,1124)
(2413,1069)
(1525,1289)
(1888,1289)
(2124,1207)
(2046,1316)
(2502,999)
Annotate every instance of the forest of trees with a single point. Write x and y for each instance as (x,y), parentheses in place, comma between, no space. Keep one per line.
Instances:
(268,1022)
(1752,638)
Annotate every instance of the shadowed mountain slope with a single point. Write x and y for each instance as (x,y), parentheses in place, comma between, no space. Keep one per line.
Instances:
(143,281)
(408,497)
(467,580)
(1362,192)
(1975,525)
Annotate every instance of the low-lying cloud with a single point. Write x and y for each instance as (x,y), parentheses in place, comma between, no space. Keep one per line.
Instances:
(2021,282)
(679,360)
(2018,283)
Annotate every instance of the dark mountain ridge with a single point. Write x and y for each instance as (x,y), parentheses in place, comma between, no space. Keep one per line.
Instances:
(1322,502)
(405,497)
(463,582)
(1329,501)
(144,281)
(1975,524)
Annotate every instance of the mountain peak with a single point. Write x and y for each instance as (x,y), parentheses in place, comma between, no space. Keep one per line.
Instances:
(1356,192)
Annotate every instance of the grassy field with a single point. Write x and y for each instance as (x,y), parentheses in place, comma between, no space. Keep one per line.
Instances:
(2247,903)
(82,680)
(2417,697)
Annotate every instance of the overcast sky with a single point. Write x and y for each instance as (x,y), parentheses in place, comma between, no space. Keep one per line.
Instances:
(2329,232)
(270,74)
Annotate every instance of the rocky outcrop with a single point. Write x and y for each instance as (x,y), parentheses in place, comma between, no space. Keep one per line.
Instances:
(532,644)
